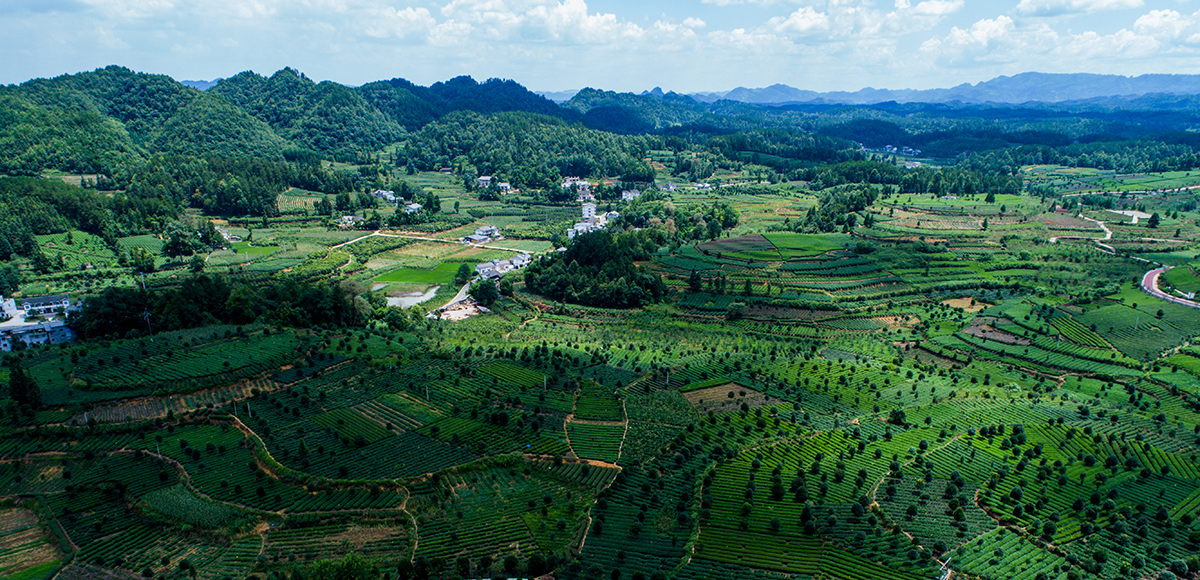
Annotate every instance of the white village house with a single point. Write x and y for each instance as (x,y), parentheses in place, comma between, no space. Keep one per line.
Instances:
(482,235)
(43,305)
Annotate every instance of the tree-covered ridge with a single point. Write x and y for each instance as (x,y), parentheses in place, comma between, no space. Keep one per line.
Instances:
(210,125)
(143,102)
(325,117)
(532,150)
(33,138)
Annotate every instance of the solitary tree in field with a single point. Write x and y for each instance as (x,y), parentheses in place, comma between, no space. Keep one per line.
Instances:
(1154,219)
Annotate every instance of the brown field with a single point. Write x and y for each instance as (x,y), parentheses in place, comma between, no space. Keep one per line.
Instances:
(965,304)
(23,543)
(987,332)
(717,399)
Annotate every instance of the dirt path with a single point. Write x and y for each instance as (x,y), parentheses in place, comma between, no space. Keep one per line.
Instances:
(527,321)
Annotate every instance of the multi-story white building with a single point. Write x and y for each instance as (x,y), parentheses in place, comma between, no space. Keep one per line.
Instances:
(44,305)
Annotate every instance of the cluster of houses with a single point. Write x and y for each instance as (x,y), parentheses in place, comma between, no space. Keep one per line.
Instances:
(482,235)
(630,194)
(486,181)
(901,150)
(591,222)
(349,221)
(386,195)
(583,189)
(497,268)
(15,327)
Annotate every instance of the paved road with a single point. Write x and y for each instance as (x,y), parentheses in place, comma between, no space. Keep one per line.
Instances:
(1150,286)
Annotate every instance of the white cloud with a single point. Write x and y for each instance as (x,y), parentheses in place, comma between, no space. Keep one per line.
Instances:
(801,21)
(1167,24)
(937,7)
(391,23)
(692,22)
(1058,7)
(539,20)
(969,43)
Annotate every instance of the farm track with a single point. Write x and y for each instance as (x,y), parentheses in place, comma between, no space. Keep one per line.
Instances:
(1107,236)
(522,325)
(875,490)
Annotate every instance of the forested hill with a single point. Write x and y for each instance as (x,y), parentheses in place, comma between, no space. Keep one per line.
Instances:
(93,122)
(325,117)
(96,121)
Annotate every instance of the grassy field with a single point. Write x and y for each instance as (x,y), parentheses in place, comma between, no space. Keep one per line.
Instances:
(419,276)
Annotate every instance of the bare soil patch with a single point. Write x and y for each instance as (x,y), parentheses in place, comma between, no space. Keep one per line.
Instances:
(987,332)
(728,397)
(967,304)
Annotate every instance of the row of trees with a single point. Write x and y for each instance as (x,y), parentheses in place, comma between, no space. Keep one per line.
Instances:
(201,300)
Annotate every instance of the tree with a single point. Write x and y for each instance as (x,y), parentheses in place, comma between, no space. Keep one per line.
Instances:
(351,567)
(695,283)
(10,279)
(485,292)
(464,274)
(197,263)
(1154,219)
(180,241)
(21,386)
(142,260)
(991,198)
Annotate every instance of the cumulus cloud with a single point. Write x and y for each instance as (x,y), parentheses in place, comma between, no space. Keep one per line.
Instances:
(1166,24)
(970,42)
(937,7)
(568,21)
(387,22)
(1059,7)
(801,21)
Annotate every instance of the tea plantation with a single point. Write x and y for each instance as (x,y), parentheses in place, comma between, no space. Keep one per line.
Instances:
(918,399)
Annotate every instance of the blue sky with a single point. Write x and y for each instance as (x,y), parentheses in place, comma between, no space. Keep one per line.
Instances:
(625,45)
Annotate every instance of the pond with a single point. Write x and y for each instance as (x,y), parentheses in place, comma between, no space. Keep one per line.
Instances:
(412,298)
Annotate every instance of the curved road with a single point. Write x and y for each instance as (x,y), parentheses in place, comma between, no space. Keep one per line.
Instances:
(1107,236)
(1150,286)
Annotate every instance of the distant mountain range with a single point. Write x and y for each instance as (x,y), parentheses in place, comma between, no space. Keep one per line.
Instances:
(1022,88)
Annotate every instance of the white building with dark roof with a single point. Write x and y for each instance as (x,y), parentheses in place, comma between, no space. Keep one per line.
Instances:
(43,305)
